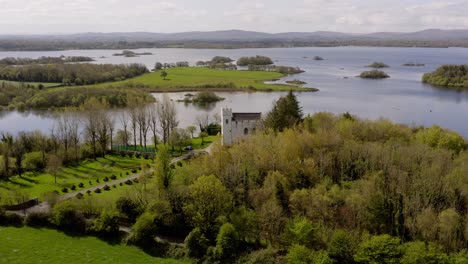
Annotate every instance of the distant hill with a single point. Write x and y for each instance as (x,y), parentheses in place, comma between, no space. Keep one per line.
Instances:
(233,39)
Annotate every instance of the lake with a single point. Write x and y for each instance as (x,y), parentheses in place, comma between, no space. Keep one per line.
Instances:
(402,98)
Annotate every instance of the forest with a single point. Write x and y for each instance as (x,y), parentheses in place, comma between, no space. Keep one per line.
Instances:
(71,74)
(44,60)
(448,75)
(317,189)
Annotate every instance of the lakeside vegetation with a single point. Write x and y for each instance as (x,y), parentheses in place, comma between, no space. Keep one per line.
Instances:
(130,54)
(412,64)
(257,60)
(71,74)
(374,74)
(449,76)
(202,98)
(44,60)
(56,248)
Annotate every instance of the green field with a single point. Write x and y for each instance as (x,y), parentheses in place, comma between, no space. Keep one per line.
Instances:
(193,78)
(37,184)
(28,245)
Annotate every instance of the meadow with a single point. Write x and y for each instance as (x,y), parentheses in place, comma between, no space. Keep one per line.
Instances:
(28,245)
(194,78)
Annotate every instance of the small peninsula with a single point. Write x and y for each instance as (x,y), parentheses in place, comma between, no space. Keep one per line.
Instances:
(374,74)
(448,76)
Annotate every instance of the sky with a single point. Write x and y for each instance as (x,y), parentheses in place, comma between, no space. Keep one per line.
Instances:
(353,16)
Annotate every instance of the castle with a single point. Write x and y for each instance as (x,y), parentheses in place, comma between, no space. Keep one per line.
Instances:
(237,125)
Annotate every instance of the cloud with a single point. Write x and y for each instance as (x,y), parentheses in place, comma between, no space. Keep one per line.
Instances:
(42,16)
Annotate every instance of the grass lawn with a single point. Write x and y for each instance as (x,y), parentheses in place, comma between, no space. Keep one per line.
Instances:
(28,245)
(35,84)
(196,144)
(191,78)
(36,184)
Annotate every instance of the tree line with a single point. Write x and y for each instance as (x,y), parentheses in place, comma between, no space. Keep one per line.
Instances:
(71,74)
(44,60)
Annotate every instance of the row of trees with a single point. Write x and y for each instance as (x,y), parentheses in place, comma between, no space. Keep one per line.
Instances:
(274,68)
(44,60)
(71,74)
(257,60)
(160,66)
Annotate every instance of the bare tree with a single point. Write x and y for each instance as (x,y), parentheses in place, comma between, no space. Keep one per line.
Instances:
(203,120)
(92,111)
(123,117)
(134,121)
(153,122)
(167,115)
(143,123)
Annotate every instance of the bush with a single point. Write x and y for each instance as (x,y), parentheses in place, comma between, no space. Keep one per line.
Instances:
(144,230)
(106,179)
(146,156)
(130,154)
(79,196)
(113,177)
(97,190)
(10,219)
(106,188)
(129,208)
(179,164)
(227,243)
(65,190)
(196,243)
(122,154)
(73,187)
(137,155)
(121,184)
(90,183)
(379,249)
(37,219)
(127,173)
(107,223)
(88,192)
(114,186)
(81,185)
(134,171)
(66,216)
(135,180)
(128,182)
(97,180)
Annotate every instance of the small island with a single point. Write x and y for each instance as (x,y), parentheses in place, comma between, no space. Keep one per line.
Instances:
(318,58)
(296,82)
(378,65)
(374,74)
(448,76)
(129,54)
(202,98)
(257,60)
(411,64)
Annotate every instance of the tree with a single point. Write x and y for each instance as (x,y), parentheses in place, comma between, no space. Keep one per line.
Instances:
(300,231)
(286,113)
(158,66)
(191,130)
(95,127)
(163,171)
(203,135)
(421,252)
(209,199)
(7,140)
(167,115)
(54,166)
(196,243)
(380,249)
(163,75)
(341,247)
(227,243)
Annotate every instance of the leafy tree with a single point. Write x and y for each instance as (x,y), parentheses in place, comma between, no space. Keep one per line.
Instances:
(54,166)
(128,207)
(300,231)
(209,199)
(341,247)
(379,249)
(144,229)
(286,113)
(191,130)
(164,75)
(227,243)
(299,254)
(420,252)
(163,171)
(197,244)
(107,223)
(158,66)
(203,135)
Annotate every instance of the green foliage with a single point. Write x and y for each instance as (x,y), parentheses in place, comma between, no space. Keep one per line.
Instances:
(448,75)
(209,199)
(107,223)
(374,74)
(66,216)
(420,252)
(300,231)
(245,222)
(257,60)
(33,161)
(227,243)
(144,229)
(163,171)
(128,207)
(285,113)
(196,243)
(378,65)
(298,254)
(220,59)
(437,137)
(341,247)
(380,249)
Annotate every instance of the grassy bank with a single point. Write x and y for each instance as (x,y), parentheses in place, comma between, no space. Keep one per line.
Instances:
(28,245)
(87,172)
(192,79)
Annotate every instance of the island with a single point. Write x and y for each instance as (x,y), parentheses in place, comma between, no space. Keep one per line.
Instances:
(448,76)
(378,65)
(257,60)
(129,54)
(411,64)
(202,98)
(318,58)
(374,74)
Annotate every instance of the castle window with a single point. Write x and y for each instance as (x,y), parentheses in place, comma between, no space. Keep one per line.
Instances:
(246,131)
(227,121)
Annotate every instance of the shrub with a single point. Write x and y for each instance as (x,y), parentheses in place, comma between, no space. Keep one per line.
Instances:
(114,186)
(179,163)
(196,243)
(144,230)
(128,207)
(88,192)
(106,188)
(172,166)
(137,155)
(97,180)
(73,187)
(79,196)
(122,154)
(97,190)
(134,171)
(113,177)
(227,243)
(379,249)
(90,183)
(130,154)
(146,156)
(106,179)
(10,219)
(127,173)
(374,74)
(81,185)
(121,184)
(66,216)
(65,190)
(37,219)
(135,180)
(128,182)
(107,223)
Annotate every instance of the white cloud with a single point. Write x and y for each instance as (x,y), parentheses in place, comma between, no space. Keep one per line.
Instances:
(42,16)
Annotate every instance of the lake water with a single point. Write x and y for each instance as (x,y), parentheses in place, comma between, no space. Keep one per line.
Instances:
(402,98)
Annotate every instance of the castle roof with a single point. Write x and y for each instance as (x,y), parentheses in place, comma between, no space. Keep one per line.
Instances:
(246,116)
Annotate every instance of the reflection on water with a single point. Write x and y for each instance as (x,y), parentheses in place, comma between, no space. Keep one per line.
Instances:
(402,98)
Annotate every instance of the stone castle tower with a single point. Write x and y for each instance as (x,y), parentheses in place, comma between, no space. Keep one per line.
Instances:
(234,126)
